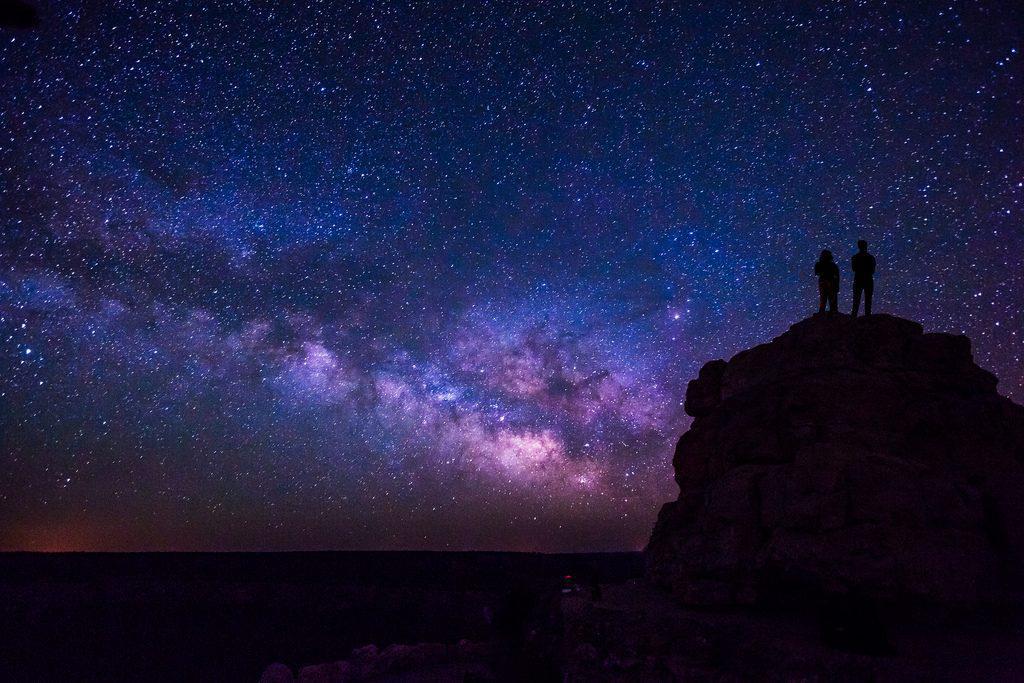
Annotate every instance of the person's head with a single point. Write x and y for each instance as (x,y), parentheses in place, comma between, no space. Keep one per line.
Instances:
(862,245)
(826,255)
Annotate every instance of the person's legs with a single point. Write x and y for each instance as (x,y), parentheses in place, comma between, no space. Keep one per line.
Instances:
(833,298)
(869,289)
(822,296)
(856,299)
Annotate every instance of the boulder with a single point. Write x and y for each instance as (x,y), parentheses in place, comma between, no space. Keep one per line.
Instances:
(277,673)
(333,672)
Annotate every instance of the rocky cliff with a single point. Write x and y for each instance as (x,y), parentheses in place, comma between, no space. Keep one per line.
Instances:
(847,456)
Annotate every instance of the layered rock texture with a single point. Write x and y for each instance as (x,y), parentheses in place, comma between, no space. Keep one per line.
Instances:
(847,456)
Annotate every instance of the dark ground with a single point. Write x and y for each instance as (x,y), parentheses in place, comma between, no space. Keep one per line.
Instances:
(635,635)
(225,617)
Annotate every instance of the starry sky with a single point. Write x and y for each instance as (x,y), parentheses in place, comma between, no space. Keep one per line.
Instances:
(330,275)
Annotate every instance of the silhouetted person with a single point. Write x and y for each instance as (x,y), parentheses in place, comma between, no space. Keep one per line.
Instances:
(828,282)
(863,277)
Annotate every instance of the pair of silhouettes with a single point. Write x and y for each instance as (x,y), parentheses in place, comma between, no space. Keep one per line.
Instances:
(827,271)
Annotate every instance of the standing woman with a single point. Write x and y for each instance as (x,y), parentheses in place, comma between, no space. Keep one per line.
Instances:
(828,281)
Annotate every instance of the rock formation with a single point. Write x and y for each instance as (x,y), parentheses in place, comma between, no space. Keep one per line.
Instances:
(847,456)
(423,661)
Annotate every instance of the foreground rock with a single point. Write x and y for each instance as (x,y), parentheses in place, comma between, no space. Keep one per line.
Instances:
(420,662)
(846,457)
(635,634)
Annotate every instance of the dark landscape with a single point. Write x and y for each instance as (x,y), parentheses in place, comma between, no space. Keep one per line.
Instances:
(226,616)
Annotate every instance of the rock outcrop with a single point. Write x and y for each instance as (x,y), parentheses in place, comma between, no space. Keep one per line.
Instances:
(847,456)
(420,662)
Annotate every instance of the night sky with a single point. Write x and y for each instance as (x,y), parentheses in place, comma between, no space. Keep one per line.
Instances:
(319,275)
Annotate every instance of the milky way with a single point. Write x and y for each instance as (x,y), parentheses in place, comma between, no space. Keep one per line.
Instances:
(320,275)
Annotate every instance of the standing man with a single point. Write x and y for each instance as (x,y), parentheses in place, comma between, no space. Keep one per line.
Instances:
(863,277)
(828,281)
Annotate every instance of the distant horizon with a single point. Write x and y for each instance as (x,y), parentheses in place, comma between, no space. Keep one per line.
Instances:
(342,276)
(285,552)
